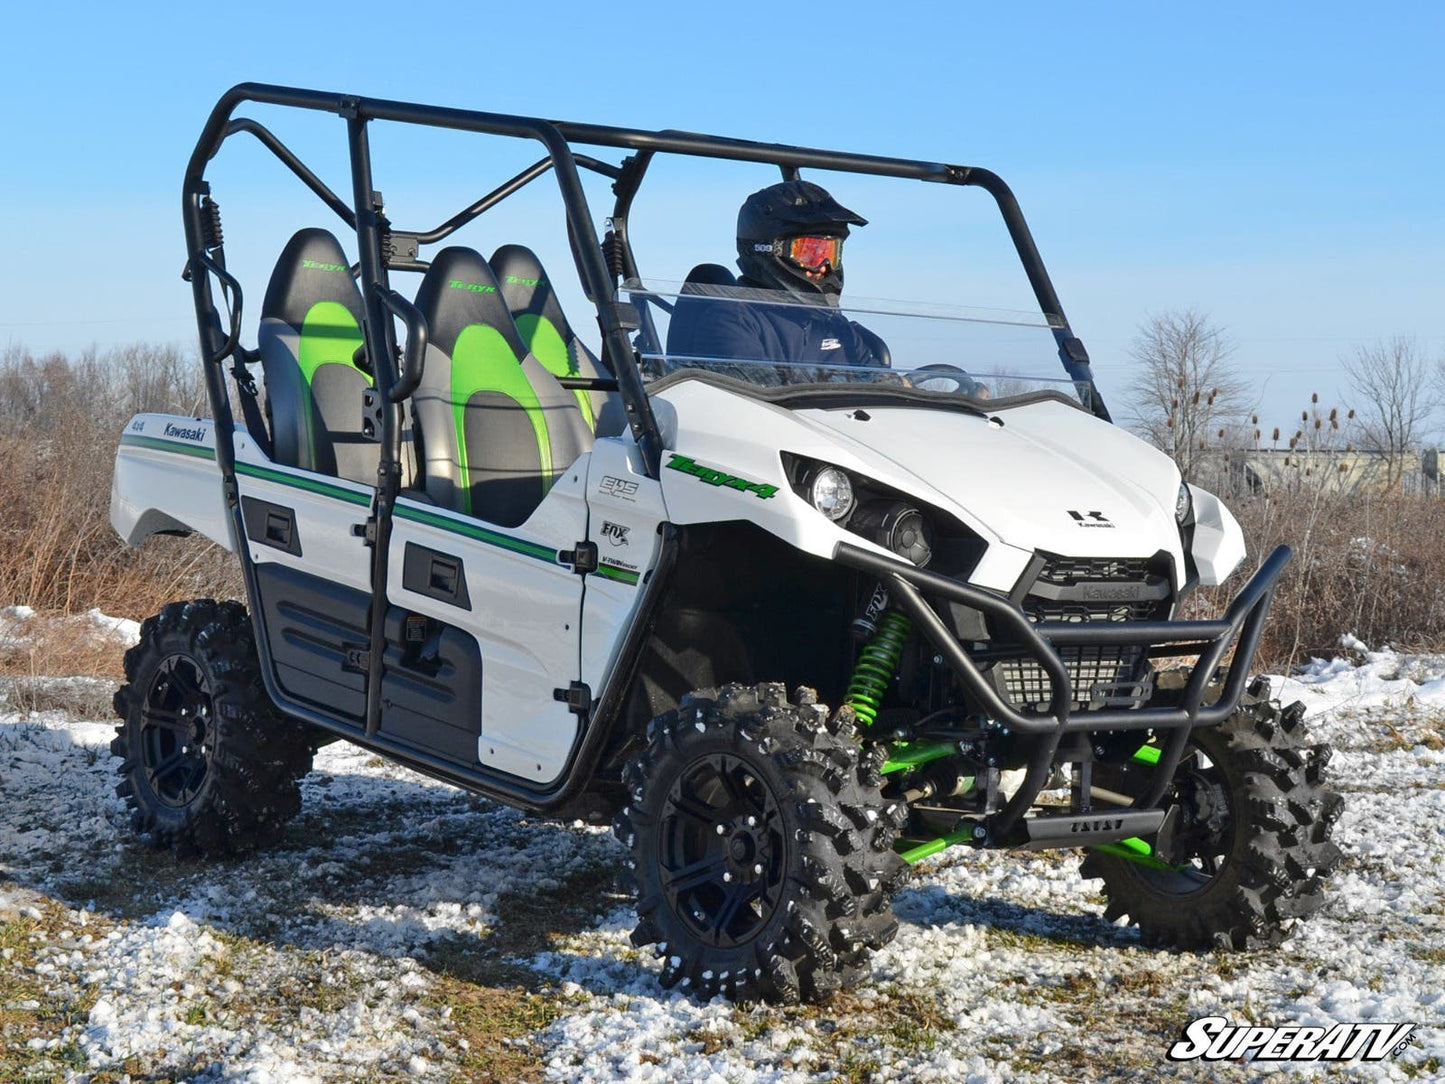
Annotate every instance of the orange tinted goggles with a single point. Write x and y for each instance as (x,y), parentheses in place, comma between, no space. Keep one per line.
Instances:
(811,253)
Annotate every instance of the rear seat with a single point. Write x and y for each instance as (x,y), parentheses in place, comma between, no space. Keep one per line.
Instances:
(309,333)
(538,315)
(496,428)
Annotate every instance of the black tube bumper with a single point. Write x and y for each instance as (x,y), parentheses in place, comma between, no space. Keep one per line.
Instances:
(1209,640)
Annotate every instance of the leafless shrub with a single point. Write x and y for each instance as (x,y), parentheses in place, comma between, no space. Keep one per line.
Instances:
(59,422)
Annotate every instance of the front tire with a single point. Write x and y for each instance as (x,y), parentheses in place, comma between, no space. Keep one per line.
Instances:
(207,765)
(762,849)
(1252,844)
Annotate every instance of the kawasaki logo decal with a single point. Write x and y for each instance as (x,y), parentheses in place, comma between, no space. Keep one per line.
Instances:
(184,433)
(722,478)
(314,265)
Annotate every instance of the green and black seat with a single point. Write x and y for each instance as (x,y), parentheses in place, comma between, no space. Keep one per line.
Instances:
(538,316)
(309,334)
(496,427)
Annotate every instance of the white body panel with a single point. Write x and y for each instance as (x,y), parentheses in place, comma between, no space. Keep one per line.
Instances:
(619,494)
(526,610)
(1218,542)
(327,509)
(166,479)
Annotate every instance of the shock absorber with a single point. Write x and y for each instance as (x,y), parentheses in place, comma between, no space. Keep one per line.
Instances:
(877,663)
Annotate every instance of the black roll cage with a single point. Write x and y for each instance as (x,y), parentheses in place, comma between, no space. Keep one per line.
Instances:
(383,248)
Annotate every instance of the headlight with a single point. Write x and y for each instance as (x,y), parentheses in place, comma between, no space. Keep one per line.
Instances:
(831,493)
(896,526)
(1182,503)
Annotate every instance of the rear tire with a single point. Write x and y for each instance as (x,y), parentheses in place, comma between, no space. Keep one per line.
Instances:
(1253,845)
(207,765)
(762,848)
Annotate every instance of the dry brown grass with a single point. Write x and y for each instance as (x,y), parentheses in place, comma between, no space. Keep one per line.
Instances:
(60,419)
(1370,564)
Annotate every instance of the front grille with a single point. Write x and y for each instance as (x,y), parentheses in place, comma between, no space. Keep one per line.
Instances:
(1092,589)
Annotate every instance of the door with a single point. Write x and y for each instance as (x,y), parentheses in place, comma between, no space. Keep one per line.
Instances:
(503,611)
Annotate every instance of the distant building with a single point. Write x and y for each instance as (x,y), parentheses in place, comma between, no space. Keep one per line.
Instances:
(1266,470)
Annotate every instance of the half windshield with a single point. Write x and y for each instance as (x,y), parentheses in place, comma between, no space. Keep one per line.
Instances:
(771,340)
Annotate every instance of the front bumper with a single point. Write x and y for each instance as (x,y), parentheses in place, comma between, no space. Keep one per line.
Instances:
(1210,641)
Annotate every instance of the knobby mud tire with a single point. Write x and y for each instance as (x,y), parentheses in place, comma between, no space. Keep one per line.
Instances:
(1279,849)
(242,762)
(836,868)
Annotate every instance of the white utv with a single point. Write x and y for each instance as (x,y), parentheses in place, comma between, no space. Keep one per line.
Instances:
(792,627)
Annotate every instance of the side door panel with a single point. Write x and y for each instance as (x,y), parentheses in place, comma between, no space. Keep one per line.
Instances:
(522,610)
(314,576)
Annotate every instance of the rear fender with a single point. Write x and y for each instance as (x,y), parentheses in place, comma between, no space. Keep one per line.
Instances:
(167,481)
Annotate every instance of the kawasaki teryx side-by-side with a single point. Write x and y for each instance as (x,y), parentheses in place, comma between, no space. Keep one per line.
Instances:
(793,627)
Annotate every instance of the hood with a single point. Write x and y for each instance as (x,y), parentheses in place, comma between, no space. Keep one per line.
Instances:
(1034,475)
(1042,475)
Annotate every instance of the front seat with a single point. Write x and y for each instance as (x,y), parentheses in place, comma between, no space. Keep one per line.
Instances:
(550,338)
(309,334)
(496,427)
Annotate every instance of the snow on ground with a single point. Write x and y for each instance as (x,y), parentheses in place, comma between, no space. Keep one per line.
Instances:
(407,931)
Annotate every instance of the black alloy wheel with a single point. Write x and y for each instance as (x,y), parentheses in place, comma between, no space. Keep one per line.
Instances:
(176,736)
(722,850)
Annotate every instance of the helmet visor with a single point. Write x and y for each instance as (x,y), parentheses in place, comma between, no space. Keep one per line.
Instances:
(812,253)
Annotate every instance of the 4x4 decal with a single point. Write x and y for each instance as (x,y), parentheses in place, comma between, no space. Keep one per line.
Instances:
(715,477)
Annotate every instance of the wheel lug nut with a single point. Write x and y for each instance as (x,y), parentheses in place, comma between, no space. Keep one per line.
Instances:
(722,829)
(758,869)
(727,876)
(752,822)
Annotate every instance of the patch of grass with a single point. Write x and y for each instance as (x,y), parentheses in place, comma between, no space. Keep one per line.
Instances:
(529,922)
(29,1012)
(493,1025)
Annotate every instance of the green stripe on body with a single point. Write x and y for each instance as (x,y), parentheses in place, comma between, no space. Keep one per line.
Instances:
(311,485)
(157,444)
(621,575)
(479,533)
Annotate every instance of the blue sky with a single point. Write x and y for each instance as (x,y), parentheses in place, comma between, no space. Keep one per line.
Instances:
(1277,166)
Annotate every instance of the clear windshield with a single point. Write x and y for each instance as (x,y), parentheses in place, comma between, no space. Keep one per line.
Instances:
(771,339)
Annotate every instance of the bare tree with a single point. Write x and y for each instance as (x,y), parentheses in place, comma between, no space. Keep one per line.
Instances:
(1186,390)
(1398,390)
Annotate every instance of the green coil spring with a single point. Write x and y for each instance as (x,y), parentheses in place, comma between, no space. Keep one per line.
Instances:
(877,664)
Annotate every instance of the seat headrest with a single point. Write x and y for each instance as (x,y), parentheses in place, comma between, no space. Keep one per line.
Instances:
(526,288)
(312,268)
(702,278)
(459,290)
(711,274)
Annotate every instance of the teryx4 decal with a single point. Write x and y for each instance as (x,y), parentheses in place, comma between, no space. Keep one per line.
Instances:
(714,477)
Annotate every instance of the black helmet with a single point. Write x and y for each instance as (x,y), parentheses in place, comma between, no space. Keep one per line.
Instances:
(779,214)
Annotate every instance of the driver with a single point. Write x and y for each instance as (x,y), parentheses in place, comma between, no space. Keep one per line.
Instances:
(790,244)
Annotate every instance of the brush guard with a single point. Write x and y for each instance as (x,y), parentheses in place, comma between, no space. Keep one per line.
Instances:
(1209,640)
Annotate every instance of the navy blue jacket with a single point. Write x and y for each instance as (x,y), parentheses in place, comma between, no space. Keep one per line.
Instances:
(704,327)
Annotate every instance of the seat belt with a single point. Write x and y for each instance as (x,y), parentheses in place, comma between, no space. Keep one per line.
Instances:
(250,404)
